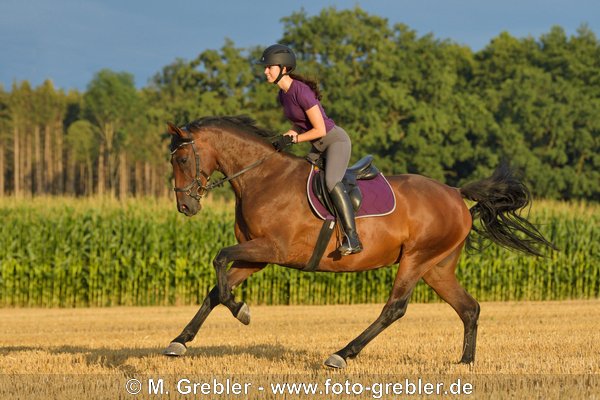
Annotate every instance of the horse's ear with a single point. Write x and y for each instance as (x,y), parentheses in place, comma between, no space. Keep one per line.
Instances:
(174,130)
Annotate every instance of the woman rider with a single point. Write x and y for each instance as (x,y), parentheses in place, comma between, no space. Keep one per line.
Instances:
(300,99)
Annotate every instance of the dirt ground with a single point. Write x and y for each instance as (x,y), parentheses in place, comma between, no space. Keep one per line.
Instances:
(525,350)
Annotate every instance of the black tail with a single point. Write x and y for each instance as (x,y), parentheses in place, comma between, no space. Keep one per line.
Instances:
(500,198)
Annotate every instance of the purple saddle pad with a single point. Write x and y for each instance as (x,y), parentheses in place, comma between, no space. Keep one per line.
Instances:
(378,197)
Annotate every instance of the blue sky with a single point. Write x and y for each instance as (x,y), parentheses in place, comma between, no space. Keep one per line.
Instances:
(68,41)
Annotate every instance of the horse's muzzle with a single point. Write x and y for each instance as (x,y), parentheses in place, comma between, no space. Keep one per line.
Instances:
(188,209)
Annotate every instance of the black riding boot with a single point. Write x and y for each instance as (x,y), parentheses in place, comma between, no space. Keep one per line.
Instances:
(351,243)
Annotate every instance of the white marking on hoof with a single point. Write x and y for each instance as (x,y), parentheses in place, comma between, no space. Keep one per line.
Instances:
(175,349)
(335,361)
(243,314)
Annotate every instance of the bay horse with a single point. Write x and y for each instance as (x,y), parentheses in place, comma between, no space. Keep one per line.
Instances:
(274,224)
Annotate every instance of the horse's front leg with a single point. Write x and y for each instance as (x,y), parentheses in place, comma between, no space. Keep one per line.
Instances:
(224,290)
(238,273)
(253,251)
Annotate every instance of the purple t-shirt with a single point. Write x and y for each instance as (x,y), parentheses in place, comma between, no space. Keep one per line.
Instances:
(296,101)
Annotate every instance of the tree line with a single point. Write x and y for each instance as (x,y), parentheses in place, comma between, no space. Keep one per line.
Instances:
(419,104)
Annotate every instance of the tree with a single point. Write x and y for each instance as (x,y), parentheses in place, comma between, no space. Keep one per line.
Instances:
(174,91)
(419,104)
(20,112)
(216,82)
(49,107)
(110,102)
(147,147)
(82,140)
(4,135)
(547,114)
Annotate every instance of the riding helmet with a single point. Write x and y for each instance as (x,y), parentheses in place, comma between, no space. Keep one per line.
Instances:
(279,54)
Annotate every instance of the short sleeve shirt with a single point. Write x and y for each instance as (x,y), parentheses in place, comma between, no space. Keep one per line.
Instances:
(296,101)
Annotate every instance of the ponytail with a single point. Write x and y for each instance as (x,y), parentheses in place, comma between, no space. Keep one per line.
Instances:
(312,84)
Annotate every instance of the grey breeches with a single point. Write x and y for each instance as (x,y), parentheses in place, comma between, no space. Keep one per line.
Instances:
(336,147)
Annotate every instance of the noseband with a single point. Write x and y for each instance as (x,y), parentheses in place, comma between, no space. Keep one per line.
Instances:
(203,189)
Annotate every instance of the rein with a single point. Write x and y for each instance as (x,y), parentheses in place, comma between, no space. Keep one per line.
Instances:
(203,189)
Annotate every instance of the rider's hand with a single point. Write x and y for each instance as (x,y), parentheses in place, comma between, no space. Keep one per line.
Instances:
(294,136)
(282,142)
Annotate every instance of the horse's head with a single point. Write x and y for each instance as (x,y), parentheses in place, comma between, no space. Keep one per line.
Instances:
(193,164)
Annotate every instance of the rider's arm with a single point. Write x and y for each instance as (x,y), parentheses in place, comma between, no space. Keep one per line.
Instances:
(318,123)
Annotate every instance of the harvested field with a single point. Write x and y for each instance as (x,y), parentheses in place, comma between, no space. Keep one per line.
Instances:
(525,350)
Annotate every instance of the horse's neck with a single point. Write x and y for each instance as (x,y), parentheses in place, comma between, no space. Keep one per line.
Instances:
(237,152)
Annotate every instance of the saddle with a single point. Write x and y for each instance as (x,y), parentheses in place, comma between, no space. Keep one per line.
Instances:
(362,179)
(362,170)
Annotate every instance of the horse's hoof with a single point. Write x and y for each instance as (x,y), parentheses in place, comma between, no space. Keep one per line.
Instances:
(335,361)
(243,314)
(175,349)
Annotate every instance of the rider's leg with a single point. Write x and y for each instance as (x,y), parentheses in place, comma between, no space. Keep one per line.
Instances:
(345,212)
(338,156)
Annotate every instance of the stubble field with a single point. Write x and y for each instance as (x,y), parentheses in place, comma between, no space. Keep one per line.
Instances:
(525,350)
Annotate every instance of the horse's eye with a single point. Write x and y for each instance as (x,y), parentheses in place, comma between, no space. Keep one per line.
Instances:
(183,160)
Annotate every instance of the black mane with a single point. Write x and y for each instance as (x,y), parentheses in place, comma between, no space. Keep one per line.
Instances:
(242,122)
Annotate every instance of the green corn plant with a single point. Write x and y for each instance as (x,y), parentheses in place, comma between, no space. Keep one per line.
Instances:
(67,253)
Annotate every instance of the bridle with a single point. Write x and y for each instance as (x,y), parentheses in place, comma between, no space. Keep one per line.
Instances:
(203,188)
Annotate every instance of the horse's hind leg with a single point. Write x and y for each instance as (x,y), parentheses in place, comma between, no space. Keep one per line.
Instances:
(235,276)
(443,280)
(409,272)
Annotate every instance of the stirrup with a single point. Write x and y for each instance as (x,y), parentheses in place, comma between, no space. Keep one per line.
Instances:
(346,247)
(346,250)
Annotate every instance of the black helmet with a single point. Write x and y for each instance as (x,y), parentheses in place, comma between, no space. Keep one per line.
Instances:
(279,54)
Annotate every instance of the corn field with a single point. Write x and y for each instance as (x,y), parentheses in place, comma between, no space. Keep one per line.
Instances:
(80,253)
